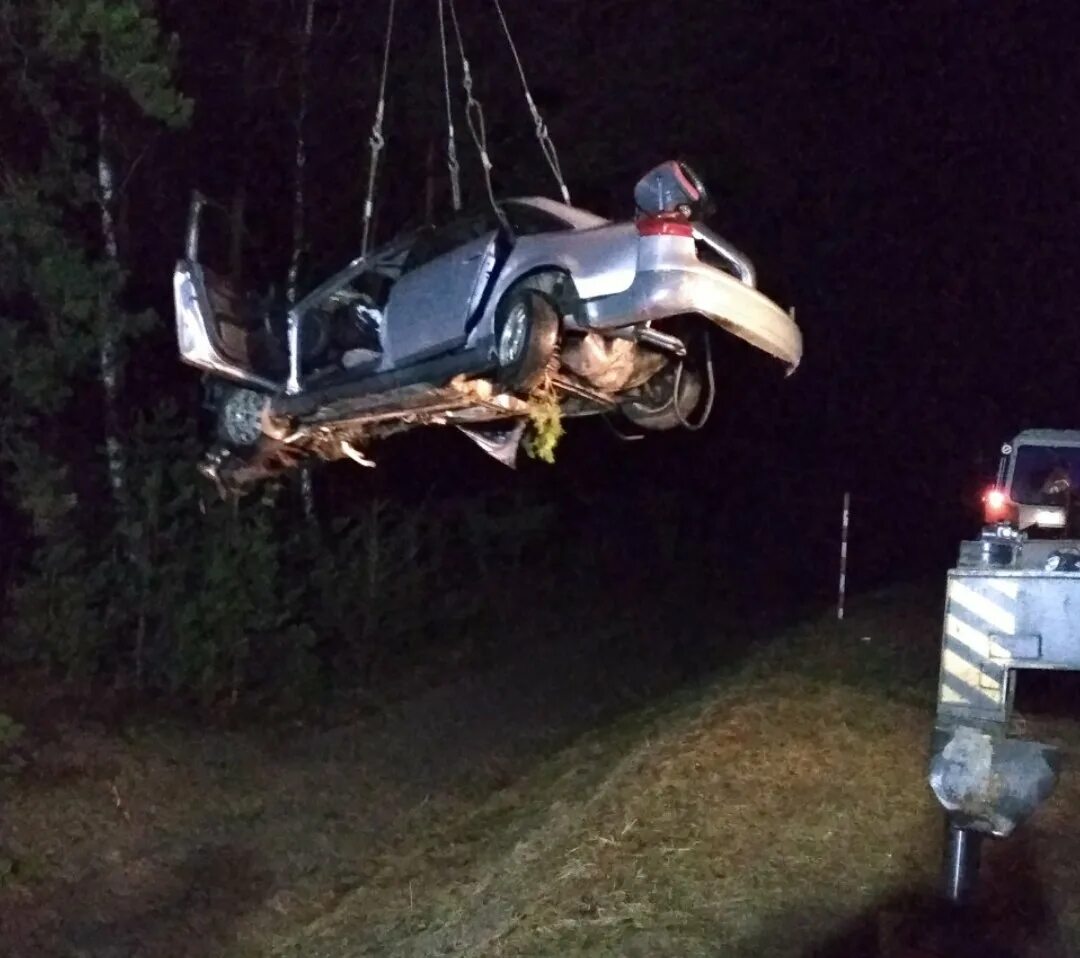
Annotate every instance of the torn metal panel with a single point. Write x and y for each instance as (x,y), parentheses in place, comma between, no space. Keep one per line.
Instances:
(502,444)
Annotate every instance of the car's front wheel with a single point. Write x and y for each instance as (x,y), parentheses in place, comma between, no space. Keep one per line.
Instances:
(526,335)
(239,416)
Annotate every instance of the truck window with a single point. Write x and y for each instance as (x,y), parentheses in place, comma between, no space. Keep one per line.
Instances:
(1036,469)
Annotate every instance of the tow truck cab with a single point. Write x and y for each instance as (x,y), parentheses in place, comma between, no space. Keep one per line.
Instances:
(1037,491)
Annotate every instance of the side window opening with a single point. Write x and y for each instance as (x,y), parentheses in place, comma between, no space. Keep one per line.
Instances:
(526,220)
(433,242)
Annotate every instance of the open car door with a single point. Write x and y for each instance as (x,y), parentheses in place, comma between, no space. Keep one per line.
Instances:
(216,329)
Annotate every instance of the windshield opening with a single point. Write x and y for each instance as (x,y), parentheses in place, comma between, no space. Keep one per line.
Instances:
(1043,475)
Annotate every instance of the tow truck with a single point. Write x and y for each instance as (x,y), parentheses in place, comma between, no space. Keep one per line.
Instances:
(1010,604)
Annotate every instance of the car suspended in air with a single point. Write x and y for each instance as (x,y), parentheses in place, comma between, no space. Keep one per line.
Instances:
(461,324)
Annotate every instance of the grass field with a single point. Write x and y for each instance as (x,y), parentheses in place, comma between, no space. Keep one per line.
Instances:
(776,806)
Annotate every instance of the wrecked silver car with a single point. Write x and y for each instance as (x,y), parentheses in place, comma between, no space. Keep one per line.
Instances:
(467,323)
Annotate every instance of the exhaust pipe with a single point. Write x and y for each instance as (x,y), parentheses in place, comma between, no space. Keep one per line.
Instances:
(662,341)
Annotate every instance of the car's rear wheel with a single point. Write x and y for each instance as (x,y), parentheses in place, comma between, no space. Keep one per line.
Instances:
(667,400)
(526,335)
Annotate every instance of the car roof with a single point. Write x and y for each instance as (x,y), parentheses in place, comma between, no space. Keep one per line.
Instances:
(1048,437)
(578,218)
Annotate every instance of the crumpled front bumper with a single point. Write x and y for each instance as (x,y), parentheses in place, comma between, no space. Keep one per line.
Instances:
(719,297)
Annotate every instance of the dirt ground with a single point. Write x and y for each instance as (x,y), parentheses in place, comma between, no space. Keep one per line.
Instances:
(601,795)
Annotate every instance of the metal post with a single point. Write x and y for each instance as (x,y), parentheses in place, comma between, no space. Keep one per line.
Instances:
(844,523)
(963,848)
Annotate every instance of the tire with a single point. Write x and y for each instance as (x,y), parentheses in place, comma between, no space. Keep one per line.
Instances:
(239,417)
(526,334)
(656,410)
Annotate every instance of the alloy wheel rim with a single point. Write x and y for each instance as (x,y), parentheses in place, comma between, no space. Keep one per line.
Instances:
(513,335)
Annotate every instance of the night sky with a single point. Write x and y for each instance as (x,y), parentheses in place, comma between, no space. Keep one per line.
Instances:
(904,174)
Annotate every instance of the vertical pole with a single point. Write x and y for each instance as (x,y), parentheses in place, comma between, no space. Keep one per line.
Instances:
(842,589)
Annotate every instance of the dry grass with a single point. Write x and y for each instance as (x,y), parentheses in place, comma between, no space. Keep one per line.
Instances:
(779,808)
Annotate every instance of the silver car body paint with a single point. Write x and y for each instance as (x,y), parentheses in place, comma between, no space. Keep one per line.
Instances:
(621,278)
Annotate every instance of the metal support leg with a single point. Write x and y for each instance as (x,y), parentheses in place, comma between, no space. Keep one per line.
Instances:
(997,621)
(963,850)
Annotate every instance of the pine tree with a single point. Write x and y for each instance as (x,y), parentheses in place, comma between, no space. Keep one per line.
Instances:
(88,82)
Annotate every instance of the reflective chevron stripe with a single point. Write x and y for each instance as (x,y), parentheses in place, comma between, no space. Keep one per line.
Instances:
(974,663)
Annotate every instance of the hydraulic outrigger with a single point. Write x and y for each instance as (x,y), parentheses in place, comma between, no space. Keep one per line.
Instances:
(1012,603)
